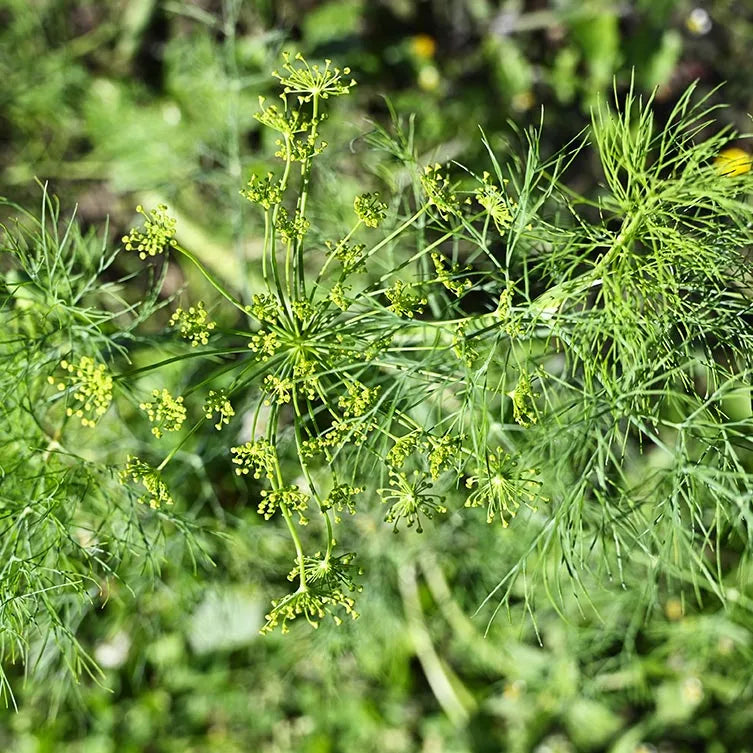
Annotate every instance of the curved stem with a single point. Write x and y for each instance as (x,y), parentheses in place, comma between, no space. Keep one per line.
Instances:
(216,284)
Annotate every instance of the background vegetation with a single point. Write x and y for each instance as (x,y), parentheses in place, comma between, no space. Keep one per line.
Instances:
(114,104)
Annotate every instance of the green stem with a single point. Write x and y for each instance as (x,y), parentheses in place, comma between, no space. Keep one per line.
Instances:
(299,279)
(298,547)
(180,444)
(397,232)
(211,278)
(183,357)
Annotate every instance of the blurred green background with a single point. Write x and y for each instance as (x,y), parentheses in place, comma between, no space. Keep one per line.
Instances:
(120,102)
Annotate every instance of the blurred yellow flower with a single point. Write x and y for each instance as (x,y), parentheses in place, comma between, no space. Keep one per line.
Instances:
(428,78)
(733,161)
(674,609)
(423,46)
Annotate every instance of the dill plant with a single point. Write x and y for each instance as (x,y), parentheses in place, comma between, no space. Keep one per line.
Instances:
(69,532)
(501,342)
(575,366)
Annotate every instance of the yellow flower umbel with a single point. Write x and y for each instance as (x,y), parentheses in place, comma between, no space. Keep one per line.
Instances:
(217,402)
(159,231)
(193,324)
(166,412)
(306,81)
(439,191)
(733,161)
(501,487)
(138,471)
(90,387)
(493,199)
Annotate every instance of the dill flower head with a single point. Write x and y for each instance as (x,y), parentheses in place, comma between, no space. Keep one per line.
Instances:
(338,296)
(341,498)
(523,397)
(193,324)
(502,487)
(264,344)
(259,456)
(264,191)
(278,388)
(403,302)
(411,499)
(329,572)
(290,497)
(90,389)
(158,232)
(450,278)
(166,412)
(142,473)
(444,453)
(461,346)
(314,603)
(439,191)
(218,402)
(307,81)
(493,199)
(359,399)
(264,307)
(403,448)
(291,228)
(286,121)
(349,255)
(370,209)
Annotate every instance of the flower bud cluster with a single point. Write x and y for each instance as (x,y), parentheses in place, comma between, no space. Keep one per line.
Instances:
(158,232)
(403,302)
(265,192)
(218,402)
(192,324)
(258,458)
(370,209)
(90,389)
(439,191)
(142,473)
(166,412)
